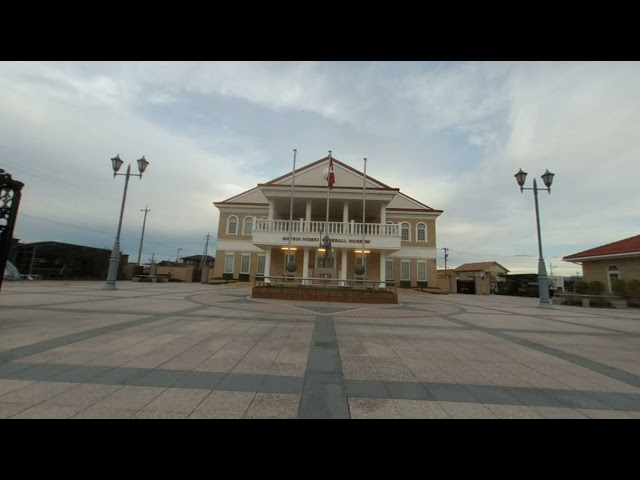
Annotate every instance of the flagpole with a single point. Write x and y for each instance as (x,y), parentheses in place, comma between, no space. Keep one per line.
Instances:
(291,265)
(360,271)
(326,227)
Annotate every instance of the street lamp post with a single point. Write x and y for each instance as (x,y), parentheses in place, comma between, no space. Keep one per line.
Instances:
(543,279)
(114,261)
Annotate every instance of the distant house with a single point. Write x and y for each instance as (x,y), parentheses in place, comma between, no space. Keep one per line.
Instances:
(197,259)
(480,278)
(608,262)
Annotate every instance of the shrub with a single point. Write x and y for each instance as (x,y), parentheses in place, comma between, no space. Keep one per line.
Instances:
(596,287)
(580,287)
(619,287)
(633,287)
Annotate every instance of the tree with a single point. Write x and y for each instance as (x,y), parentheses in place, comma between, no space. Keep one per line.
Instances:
(596,287)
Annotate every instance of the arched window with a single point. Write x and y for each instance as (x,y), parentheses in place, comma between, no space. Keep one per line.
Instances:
(613,273)
(421,232)
(248,226)
(405,231)
(232,225)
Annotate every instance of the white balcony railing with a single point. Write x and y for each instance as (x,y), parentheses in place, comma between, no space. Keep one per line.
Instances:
(335,228)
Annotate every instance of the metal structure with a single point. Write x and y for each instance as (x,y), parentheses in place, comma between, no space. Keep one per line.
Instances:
(144,223)
(114,261)
(10,193)
(543,279)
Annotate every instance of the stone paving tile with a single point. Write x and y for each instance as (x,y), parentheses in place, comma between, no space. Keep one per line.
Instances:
(159,378)
(361,373)
(49,411)
(253,366)
(213,416)
(218,365)
(420,409)
(373,408)
(9,385)
(274,405)
(604,413)
(183,400)
(466,410)
(220,402)
(9,409)
(35,392)
(130,397)
(559,413)
(83,395)
(287,369)
(510,411)
(105,413)
(155,414)
(399,374)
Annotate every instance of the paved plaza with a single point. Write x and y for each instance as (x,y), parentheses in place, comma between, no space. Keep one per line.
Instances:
(74,350)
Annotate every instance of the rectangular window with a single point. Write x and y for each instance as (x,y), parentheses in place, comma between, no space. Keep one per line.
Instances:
(422,234)
(228,262)
(244,263)
(261,260)
(405,232)
(422,271)
(405,270)
(388,270)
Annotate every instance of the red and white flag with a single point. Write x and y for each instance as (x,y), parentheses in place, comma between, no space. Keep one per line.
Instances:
(331,177)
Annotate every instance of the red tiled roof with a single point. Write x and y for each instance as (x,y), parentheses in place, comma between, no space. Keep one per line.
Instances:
(628,245)
(477,267)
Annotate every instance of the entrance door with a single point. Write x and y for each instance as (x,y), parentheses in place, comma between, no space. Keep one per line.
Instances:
(467,286)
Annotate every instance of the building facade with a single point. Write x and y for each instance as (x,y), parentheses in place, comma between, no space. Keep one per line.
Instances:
(399,232)
(617,260)
(481,278)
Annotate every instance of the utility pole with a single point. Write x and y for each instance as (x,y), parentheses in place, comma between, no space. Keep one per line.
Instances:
(153,258)
(204,254)
(144,222)
(551,268)
(446,255)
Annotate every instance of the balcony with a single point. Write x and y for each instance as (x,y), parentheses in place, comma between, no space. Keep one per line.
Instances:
(343,235)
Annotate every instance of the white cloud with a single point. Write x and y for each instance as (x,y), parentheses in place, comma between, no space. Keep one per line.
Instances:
(450,135)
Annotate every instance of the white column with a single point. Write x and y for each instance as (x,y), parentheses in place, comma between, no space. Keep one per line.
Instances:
(383,269)
(271,209)
(383,214)
(343,269)
(345,211)
(267,264)
(308,215)
(305,265)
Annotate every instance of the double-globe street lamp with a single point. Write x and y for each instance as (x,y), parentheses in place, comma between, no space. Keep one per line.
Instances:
(543,279)
(114,261)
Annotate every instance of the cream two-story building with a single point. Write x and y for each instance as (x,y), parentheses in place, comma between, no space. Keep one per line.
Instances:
(399,232)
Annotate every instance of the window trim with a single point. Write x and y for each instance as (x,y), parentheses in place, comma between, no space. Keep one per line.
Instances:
(229,223)
(426,238)
(408,263)
(264,264)
(408,231)
(615,271)
(233,261)
(242,257)
(426,275)
(388,272)
(244,225)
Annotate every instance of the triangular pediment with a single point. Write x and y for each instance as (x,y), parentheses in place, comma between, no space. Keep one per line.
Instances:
(312,175)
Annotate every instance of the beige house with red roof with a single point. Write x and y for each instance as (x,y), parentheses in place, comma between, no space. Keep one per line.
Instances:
(399,231)
(619,259)
(479,278)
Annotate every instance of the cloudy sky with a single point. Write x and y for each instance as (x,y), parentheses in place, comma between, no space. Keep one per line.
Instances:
(450,134)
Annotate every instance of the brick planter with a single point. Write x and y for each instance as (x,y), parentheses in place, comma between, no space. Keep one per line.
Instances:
(343,295)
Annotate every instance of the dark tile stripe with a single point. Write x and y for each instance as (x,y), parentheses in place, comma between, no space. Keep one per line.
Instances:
(323,392)
(592,365)
(40,347)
